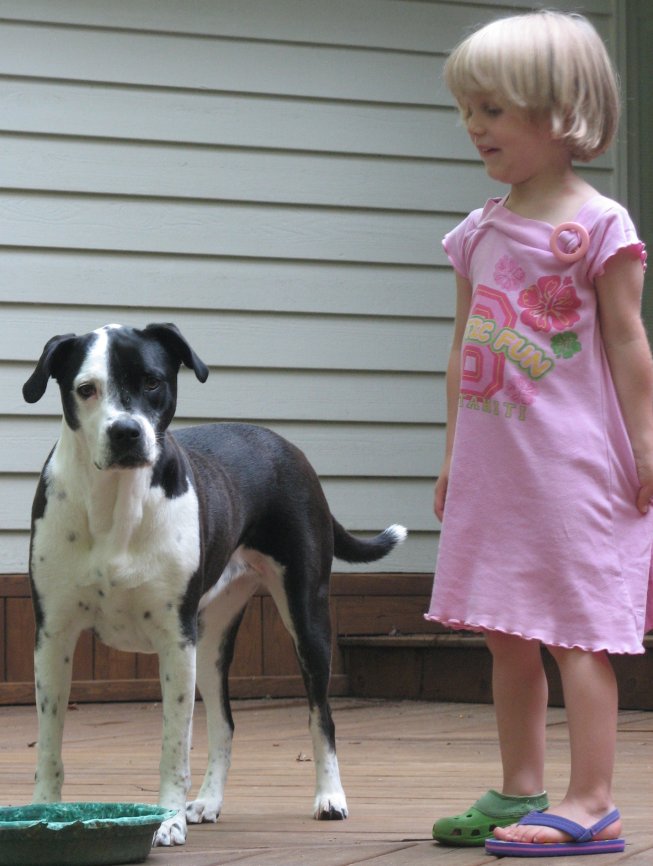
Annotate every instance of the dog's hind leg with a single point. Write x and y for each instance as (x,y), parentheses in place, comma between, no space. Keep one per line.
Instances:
(219,623)
(53,662)
(304,609)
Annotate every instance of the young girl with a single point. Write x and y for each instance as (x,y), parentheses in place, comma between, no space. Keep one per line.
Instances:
(545,487)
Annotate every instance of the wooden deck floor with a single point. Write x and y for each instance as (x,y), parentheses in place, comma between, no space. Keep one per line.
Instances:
(402,763)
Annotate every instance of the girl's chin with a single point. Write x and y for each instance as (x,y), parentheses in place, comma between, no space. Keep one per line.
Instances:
(497,174)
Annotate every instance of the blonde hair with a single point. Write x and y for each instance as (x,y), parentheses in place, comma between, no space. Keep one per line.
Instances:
(547,64)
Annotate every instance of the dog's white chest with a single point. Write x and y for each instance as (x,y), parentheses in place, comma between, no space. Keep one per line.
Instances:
(132,620)
(120,564)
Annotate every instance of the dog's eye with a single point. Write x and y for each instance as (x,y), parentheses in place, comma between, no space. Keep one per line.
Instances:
(86,390)
(151,383)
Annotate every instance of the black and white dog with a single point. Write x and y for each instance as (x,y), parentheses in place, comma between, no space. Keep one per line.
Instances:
(157,540)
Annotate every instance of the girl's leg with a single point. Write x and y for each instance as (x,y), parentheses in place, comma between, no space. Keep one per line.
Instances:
(520,694)
(520,699)
(590,691)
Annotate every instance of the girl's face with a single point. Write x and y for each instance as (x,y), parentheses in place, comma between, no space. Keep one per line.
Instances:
(514,148)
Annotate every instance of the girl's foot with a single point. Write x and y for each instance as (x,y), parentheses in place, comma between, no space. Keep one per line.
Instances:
(546,835)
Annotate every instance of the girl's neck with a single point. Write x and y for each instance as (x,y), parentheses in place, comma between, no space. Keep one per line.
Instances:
(553,198)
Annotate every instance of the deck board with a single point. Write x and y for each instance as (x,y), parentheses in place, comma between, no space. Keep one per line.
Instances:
(402,764)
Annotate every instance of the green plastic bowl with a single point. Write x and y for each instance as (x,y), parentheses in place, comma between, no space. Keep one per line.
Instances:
(78,834)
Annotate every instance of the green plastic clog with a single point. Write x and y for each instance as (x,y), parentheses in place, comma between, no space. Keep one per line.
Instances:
(493,809)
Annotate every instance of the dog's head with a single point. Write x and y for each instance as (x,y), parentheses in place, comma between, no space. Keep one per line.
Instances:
(118,388)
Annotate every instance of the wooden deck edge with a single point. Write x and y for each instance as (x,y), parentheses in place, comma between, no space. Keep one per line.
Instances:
(366,583)
(428,641)
(115,691)
(412,641)
(458,667)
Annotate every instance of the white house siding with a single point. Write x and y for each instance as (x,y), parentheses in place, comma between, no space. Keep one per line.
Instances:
(275,177)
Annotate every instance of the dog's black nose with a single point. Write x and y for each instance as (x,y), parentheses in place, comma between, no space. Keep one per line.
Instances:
(124,433)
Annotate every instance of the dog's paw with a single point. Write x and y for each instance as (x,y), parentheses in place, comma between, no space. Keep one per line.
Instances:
(203,811)
(171,832)
(330,807)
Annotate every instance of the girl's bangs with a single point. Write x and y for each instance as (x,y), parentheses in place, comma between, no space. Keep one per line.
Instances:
(480,68)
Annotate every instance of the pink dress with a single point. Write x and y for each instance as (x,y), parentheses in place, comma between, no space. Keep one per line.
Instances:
(541,536)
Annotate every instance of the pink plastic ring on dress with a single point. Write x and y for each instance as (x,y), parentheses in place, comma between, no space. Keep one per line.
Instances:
(580,250)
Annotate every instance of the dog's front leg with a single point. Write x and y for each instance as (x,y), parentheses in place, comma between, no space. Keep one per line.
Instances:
(53,658)
(177,672)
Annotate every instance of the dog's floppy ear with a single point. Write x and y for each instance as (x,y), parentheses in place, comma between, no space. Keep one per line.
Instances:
(35,386)
(171,337)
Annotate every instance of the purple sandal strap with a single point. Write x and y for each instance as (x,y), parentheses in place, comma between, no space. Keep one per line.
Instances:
(577,832)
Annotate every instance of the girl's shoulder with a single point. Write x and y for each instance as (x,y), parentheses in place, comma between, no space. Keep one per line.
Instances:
(600,206)
(492,208)
(476,219)
(460,241)
(611,230)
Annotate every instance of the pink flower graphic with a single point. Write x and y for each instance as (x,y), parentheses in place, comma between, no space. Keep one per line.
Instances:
(508,274)
(522,390)
(551,303)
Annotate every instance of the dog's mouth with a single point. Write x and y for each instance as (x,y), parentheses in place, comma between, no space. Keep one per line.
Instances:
(127,461)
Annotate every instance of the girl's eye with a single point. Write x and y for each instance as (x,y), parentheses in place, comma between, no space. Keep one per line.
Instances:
(492,111)
(86,390)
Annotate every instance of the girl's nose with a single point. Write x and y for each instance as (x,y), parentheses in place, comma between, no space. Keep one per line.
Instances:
(474,123)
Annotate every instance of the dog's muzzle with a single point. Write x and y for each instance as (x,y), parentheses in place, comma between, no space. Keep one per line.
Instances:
(128,445)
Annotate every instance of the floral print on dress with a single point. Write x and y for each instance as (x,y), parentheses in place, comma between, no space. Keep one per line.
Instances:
(566,345)
(508,274)
(550,303)
(522,390)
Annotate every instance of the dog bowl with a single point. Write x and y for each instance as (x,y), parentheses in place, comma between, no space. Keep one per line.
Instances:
(78,834)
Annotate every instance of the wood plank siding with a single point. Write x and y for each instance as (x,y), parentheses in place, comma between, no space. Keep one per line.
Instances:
(274,176)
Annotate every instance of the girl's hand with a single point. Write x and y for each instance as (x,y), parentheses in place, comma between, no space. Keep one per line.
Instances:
(619,293)
(463,306)
(645,492)
(441,491)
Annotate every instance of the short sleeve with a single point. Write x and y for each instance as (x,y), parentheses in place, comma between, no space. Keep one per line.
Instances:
(613,232)
(456,243)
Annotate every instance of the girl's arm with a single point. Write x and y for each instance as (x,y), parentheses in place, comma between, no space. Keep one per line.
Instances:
(619,292)
(463,304)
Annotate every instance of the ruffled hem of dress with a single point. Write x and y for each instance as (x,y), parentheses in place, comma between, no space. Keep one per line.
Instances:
(459,625)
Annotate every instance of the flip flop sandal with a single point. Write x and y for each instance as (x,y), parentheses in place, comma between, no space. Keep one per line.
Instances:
(582,838)
(493,809)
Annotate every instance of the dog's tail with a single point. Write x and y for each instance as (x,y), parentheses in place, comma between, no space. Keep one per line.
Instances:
(352,549)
